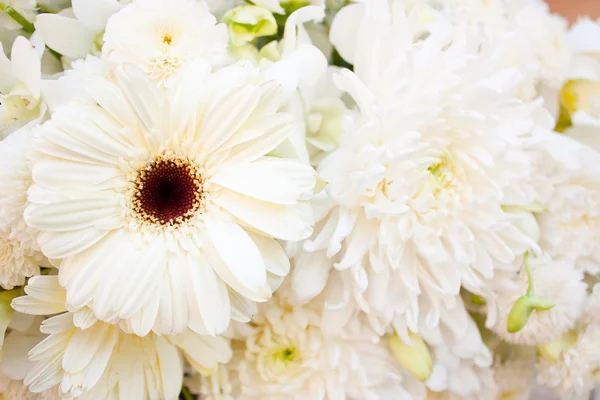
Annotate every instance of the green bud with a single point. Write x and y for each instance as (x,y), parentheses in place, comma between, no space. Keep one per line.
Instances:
(526,304)
(249,22)
(522,310)
(414,357)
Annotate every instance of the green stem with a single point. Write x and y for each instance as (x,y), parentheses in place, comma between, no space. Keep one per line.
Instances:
(185,392)
(21,20)
(529,275)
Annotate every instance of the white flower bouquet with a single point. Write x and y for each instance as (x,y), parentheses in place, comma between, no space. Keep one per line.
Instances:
(298,200)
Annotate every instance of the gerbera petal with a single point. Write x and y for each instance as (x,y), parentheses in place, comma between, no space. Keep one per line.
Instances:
(275,258)
(270,179)
(66,244)
(238,252)
(100,212)
(210,294)
(258,139)
(284,222)
(146,99)
(227,116)
(171,368)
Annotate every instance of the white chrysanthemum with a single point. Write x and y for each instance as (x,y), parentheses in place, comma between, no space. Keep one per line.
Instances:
(287,355)
(161,37)
(19,251)
(570,226)
(418,184)
(165,206)
(91,359)
(576,370)
(554,281)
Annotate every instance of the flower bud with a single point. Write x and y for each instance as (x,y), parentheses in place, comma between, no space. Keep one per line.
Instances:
(522,310)
(249,22)
(414,357)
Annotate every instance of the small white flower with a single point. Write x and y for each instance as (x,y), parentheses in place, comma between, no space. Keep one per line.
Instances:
(163,37)
(167,202)
(556,282)
(97,360)
(20,86)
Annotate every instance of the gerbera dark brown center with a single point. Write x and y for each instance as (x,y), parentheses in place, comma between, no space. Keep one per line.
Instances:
(168,191)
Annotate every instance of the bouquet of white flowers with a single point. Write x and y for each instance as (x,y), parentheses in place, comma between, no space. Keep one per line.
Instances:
(298,200)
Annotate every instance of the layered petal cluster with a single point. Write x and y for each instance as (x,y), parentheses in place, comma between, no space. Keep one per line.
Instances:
(417,186)
(165,208)
(20,255)
(90,359)
(284,353)
(162,37)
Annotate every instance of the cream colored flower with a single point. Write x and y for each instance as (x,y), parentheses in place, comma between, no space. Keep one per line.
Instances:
(168,205)
(90,359)
(163,37)
(20,254)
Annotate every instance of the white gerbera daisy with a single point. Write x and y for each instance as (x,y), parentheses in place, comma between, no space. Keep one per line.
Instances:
(418,184)
(91,359)
(556,282)
(161,37)
(166,206)
(19,251)
(287,355)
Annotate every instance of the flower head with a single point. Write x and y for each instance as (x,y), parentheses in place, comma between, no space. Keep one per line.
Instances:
(168,205)
(162,37)
(285,353)
(100,360)
(418,182)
